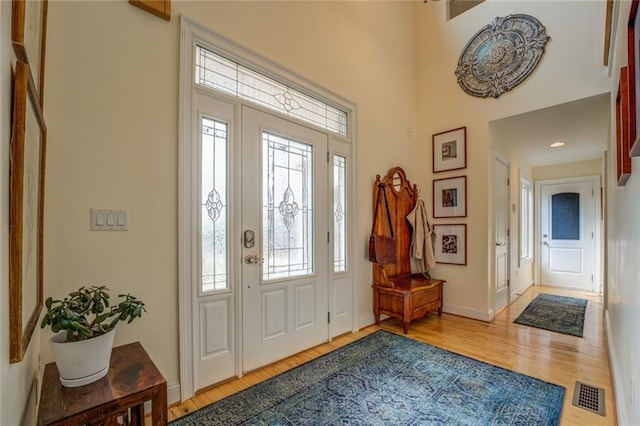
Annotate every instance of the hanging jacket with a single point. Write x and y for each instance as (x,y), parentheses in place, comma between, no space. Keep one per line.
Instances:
(422,241)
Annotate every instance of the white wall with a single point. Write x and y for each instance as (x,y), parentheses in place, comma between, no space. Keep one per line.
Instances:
(570,69)
(17,381)
(112,109)
(623,310)
(567,170)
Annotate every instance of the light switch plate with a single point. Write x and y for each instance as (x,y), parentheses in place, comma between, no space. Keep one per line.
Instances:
(109,220)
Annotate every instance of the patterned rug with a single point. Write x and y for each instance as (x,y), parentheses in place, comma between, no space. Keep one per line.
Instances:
(388,379)
(556,313)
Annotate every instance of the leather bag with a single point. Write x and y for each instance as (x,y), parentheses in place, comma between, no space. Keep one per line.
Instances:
(382,248)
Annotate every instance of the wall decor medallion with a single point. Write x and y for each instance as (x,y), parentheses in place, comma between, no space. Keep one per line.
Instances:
(501,55)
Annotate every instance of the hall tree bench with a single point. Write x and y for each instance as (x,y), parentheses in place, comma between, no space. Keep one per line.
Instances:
(396,292)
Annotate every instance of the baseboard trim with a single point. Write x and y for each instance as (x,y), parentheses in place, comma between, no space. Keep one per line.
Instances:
(621,406)
(465,311)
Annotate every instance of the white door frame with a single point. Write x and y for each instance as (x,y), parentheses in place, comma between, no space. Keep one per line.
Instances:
(192,33)
(595,180)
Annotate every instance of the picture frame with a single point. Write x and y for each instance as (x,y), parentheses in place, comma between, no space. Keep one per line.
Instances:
(623,159)
(160,8)
(450,197)
(29,38)
(26,208)
(451,243)
(633,61)
(450,150)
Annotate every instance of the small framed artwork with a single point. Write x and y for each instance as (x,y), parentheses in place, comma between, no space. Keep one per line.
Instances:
(450,197)
(622,129)
(160,8)
(633,61)
(451,243)
(450,150)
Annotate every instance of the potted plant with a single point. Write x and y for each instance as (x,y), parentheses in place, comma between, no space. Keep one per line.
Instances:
(85,324)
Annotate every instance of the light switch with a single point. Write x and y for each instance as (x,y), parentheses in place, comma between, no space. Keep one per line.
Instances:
(109,220)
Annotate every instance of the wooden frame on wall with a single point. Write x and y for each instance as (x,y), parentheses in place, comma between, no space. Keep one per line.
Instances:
(633,61)
(450,197)
(160,8)
(26,208)
(623,129)
(29,38)
(451,243)
(450,150)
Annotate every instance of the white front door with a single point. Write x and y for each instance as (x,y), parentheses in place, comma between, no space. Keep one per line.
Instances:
(285,247)
(501,274)
(568,234)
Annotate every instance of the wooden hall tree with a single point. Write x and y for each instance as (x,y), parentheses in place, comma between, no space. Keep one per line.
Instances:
(396,291)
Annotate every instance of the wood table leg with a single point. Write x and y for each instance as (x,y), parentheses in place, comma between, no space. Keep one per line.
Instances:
(137,415)
(159,405)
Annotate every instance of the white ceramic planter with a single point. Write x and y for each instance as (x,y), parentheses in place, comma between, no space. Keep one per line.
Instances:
(83,362)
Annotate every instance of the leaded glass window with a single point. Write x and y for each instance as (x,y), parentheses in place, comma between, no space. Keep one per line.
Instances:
(222,74)
(565,216)
(287,207)
(213,218)
(339,213)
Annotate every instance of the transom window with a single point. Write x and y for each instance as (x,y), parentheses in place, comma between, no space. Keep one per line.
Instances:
(213,70)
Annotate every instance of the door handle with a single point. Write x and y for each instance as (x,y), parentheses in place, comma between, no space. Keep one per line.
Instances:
(252,259)
(501,244)
(545,243)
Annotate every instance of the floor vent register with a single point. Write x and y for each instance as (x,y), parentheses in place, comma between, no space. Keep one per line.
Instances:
(589,397)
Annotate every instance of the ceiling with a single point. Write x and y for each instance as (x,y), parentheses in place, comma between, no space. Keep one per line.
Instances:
(583,125)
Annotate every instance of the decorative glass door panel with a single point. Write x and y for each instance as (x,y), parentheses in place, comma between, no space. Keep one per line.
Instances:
(213,219)
(287,207)
(339,213)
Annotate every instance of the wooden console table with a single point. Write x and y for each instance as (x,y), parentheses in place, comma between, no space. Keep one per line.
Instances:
(132,380)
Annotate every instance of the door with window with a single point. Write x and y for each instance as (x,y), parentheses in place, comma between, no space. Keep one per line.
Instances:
(568,234)
(285,238)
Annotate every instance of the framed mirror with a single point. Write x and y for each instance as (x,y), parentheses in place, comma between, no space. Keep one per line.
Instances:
(26,199)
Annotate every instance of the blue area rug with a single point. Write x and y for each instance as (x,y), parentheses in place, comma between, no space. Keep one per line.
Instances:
(556,313)
(387,379)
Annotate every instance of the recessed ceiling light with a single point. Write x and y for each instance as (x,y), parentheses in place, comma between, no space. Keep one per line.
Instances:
(556,144)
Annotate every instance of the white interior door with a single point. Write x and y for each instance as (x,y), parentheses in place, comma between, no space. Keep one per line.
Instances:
(501,274)
(284,274)
(568,234)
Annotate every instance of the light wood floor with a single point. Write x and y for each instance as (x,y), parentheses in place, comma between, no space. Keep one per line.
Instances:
(553,357)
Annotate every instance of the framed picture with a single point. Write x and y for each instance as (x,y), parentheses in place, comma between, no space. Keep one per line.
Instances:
(633,61)
(623,160)
(29,36)
(450,150)
(26,198)
(450,197)
(451,243)
(160,8)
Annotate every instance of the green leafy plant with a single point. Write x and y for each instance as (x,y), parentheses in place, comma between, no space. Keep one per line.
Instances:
(86,313)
